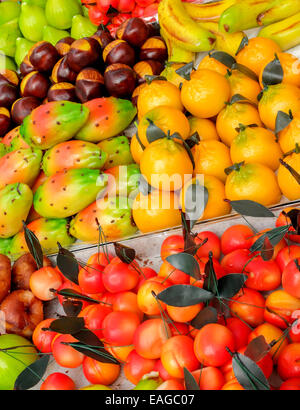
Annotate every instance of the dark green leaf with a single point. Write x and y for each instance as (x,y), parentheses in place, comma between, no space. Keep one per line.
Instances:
(274,236)
(251,208)
(33,374)
(185,263)
(283,120)
(210,282)
(87,337)
(126,254)
(67,264)
(177,136)
(195,201)
(273,73)
(193,140)
(229,285)
(291,170)
(257,349)
(34,246)
(238,98)
(73,294)
(184,295)
(234,167)
(97,353)
(244,43)
(186,71)
(150,78)
(223,58)
(72,308)
(153,132)
(189,380)
(139,141)
(204,317)
(246,71)
(67,325)
(248,373)
(267,251)
(190,246)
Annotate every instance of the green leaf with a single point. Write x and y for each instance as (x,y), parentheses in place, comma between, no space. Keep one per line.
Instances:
(186,71)
(67,264)
(87,337)
(33,374)
(190,246)
(210,282)
(153,132)
(184,295)
(190,381)
(257,349)
(223,58)
(34,246)
(274,236)
(73,294)
(291,170)
(204,317)
(150,78)
(195,201)
(273,73)
(244,43)
(126,254)
(283,120)
(229,285)
(185,263)
(193,140)
(67,325)
(238,98)
(97,353)
(248,373)
(72,308)
(251,208)
(245,70)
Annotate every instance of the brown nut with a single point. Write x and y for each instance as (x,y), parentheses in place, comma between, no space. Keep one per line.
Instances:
(22,270)
(23,107)
(148,67)
(8,95)
(135,31)
(154,49)
(63,46)
(83,53)
(154,28)
(22,312)
(43,56)
(120,80)
(26,67)
(89,84)
(4,121)
(62,92)
(9,77)
(119,52)
(62,73)
(34,84)
(103,37)
(5,276)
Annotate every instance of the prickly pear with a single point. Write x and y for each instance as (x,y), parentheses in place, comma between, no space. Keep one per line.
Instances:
(18,143)
(32,21)
(117,150)
(48,232)
(52,123)
(5,246)
(21,166)
(7,139)
(123,180)
(73,154)
(108,118)
(15,203)
(33,215)
(59,13)
(114,216)
(3,149)
(68,192)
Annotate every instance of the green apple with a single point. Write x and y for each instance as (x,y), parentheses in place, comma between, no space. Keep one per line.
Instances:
(96,387)
(14,361)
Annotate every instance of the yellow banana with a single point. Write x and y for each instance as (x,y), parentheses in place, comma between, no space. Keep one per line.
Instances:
(175,53)
(208,11)
(286,33)
(282,10)
(179,27)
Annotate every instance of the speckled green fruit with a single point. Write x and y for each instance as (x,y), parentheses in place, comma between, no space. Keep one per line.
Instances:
(117,150)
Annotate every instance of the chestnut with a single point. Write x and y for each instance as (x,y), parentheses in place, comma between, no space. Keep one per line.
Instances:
(103,37)
(89,84)
(43,56)
(34,84)
(8,95)
(83,53)
(154,28)
(63,46)
(119,51)
(23,107)
(4,121)
(62,92)
(119,80)
(62,73)
(135,31)
(149,67)
(154,49)
(26,67)
(9,77)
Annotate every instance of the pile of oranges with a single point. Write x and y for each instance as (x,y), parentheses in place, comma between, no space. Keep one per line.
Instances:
(242,153)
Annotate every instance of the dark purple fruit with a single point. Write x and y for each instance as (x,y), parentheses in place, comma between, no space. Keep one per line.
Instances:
(103,37)
(120,80)
(43,56)
(83,53)
(4,121)
(154,49)
(26,67)
(148,67)
(23,107)
(34,84)
(135,31)
(62,92)
(89,84)
(8,95)
(63,46)
(119,52)
(62,73)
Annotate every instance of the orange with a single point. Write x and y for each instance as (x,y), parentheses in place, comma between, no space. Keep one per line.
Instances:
(254,182)
(256,54)
(166,165)
(136,149)
(290,136)
(205,128)
(158,93)
(170,73)
(205,94)
(232,116)
(216,206)
(256,144)
(280,97)
(156,211)
(287,182)
(291,69)
(210,63)
(168,119)
(211,158)
(243,85)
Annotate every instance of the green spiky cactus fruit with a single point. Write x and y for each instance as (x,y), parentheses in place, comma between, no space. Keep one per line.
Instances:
(3,150)
(73,154)
(7,139)
(33,215)
(123,180)
(5,245)
(15,204)
(21,166)
(53,123)
(114,216)
(117,150)
(108,117)
(67,193)
(48,232)
(18,143)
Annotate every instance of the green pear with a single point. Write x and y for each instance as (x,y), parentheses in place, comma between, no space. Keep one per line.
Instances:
(85,11)
(40,3)
(59,13)
(82,27)
(53,35)
(32,21)
(9,32)
(9,10)
(22,48)
(6,63)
